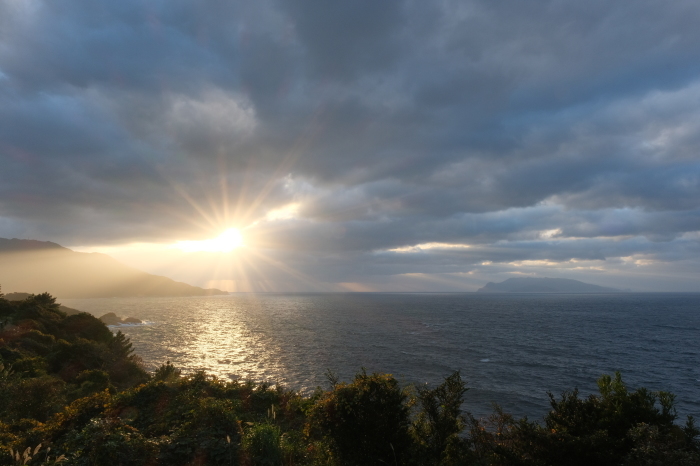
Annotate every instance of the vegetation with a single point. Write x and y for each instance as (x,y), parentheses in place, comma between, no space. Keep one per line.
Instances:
(71,392)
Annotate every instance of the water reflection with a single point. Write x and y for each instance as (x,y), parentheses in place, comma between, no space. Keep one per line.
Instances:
(510,349)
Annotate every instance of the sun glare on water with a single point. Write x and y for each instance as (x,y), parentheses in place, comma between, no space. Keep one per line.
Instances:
(226,242)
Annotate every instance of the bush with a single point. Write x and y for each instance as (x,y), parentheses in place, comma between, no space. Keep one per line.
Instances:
(262,446)
(208,435)
(167,372)
(93,381)
(111,442)
(617,427)
(30,367)
(295,448)
(86,326)
(74,417)
(367,421)
(439,423)
(34,398)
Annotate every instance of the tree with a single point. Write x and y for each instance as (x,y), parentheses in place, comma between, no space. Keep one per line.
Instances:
(366,421)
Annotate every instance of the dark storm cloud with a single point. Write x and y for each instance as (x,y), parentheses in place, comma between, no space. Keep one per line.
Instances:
(350,39)
(546,130)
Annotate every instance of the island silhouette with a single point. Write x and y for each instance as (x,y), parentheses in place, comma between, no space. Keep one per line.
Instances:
(544,285)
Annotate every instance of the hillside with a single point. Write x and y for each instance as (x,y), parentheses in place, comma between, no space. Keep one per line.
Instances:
(36,266)
(544,285)
(19,296)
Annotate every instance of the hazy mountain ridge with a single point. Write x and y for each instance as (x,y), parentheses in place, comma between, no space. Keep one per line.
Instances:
(16,244)
(36,266)
(544,285)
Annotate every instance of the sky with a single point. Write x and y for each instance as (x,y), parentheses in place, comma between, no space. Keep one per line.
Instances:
(358,146)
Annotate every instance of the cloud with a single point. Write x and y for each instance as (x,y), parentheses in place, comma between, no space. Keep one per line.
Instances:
(540,131)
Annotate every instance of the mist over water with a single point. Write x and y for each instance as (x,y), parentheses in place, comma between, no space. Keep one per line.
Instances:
(511,349)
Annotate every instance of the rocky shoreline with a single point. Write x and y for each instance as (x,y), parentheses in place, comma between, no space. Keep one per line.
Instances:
(112,319)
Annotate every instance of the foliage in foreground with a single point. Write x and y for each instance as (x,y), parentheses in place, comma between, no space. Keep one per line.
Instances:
(71,392)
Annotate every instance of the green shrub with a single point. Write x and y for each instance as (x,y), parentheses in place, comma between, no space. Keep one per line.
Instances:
(93,381)
(39,337)
(295,448)
(167,372)
(86,326)
(74,417)
(596,429)
(262,445)
(111,442)
(68,359)
(34,398)
(613,428)
(367,421)
(208,435)
(439,423)
(654,447)
(30,367)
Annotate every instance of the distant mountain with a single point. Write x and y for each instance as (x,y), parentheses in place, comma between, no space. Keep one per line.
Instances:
(31,266)
(544,285)
(15,244)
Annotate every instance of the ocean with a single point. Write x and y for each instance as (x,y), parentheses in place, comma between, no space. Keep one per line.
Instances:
(511,349)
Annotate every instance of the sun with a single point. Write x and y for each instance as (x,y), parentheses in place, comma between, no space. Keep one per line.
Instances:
(226,242)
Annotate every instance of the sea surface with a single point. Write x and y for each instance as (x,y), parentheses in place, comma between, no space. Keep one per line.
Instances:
(510,348)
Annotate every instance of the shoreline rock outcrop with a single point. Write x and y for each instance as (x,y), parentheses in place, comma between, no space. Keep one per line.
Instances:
(112,319)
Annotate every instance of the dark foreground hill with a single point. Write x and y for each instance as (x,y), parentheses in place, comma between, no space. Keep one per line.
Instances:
(544,285)
(36,266)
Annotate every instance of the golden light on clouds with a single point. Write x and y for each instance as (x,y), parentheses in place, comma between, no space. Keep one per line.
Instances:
(226,242)
(428,246)
(286,212)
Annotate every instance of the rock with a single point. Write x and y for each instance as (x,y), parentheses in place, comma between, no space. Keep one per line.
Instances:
(111,319)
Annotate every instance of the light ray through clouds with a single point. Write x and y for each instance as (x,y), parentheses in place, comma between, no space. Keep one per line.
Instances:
(397,145)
